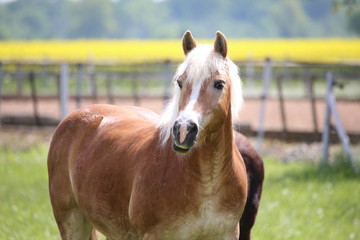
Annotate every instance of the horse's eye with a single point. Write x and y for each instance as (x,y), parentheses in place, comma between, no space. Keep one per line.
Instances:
(180,84)
(219,84)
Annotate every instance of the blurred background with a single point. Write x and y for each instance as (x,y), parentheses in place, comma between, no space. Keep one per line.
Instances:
(168,19)
(299,62)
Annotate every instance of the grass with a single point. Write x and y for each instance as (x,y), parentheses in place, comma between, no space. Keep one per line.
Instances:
(25,211)
(308,201)
(300,200)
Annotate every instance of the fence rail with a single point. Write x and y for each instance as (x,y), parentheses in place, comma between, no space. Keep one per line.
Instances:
(110,82)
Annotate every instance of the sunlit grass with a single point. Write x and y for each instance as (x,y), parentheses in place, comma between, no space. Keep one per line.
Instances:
(306,201)
(300,200)
(304,50)
(25,211)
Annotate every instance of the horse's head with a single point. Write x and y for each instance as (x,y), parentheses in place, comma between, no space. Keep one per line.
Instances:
(207,91)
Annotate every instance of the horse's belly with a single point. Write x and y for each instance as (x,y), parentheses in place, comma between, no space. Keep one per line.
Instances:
(209,224)
(114,225)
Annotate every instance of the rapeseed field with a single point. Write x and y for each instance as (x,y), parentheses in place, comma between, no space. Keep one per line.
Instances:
(301,50)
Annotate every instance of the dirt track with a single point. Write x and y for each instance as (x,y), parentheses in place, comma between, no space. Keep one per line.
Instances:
(298,112)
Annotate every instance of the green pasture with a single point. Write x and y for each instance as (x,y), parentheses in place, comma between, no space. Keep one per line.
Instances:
(301,200)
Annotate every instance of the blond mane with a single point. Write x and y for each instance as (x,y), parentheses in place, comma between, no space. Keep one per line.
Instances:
(200,64)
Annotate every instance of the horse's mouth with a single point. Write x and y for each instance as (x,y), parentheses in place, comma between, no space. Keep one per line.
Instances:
(180,149)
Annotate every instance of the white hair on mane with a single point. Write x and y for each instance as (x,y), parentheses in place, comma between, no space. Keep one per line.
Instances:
(200,64)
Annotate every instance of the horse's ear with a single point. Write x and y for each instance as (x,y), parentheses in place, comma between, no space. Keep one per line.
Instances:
(188,42)
(220,44)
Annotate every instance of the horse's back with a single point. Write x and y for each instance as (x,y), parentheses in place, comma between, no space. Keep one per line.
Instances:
(86,125)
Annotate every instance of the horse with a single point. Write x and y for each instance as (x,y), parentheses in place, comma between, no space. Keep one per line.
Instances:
(130,174)
(255,172)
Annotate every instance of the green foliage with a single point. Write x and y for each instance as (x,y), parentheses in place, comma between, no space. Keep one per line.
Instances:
(354,22)
(90,19)
(48,19)
(291,19)
(299,201)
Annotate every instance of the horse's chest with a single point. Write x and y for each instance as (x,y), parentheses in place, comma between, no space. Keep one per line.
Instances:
(211,218)
(210,222)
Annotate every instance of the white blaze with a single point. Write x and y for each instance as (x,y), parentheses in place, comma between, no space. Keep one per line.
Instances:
(188,113)
(193,97)
(183,132)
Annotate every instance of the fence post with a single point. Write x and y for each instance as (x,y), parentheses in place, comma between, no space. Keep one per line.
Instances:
(145,75)
(1,85)
(313,105)
(92,82)
(281,104)
(342,133)
(250,76)
(135,86)
(326,131)
(44,72)
(109,87)
(64,90)
(307,82)
(267,73)
(93,87)
(19,79)
(331,105)
(34,98)
(167,81)
(79,78)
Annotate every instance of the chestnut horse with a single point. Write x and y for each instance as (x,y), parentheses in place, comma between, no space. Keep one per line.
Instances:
(132,175)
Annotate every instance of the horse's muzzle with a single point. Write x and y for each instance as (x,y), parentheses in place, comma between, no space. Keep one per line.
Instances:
(184,134)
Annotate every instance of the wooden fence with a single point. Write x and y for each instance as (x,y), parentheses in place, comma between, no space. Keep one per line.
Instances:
(262,80)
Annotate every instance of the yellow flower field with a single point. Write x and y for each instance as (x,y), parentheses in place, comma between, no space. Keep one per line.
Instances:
(303,50)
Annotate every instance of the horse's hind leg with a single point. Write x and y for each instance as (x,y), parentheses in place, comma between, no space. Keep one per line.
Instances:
(71,221)
(74,226)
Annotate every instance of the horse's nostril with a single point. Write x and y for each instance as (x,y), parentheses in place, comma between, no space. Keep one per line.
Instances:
(192,127)
(176,128)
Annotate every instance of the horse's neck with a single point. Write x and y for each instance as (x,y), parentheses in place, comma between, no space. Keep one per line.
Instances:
(216,154)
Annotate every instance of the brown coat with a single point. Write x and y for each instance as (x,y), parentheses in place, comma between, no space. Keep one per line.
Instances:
(108,171)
